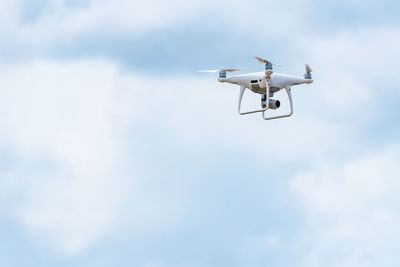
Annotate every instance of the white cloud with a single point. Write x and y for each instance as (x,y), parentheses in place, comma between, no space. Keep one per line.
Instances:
(60,114)
(74,117)
(355,68)
(65,123)
(60,23)
(351,211)
(71,119)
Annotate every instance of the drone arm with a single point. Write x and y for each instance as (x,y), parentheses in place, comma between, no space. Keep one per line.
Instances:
(289,93)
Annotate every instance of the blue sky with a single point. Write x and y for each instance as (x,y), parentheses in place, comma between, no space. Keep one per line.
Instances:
(115,152)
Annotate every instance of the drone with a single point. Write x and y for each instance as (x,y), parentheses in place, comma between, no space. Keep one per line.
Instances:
(264,83)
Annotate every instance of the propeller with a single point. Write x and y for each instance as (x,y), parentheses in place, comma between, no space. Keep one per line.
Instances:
(223,71)
(307,75)
(268,66)
(265,61)
(308,68)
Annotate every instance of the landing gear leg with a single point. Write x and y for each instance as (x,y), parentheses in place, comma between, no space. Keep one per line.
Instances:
(289,93)
(242,89)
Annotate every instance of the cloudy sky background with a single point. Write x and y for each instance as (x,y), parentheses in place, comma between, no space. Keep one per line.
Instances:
(114,152)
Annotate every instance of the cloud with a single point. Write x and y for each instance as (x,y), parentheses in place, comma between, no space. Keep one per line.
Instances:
(64,124)
(62,24)
(70,128)
(351,212)
(57,117)
(60,21)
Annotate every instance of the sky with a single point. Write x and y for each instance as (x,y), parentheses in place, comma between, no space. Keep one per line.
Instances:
(115,152)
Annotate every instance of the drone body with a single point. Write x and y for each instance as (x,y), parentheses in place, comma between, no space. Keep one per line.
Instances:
(266,84)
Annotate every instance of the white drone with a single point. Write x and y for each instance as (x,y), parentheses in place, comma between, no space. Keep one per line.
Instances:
(265,83)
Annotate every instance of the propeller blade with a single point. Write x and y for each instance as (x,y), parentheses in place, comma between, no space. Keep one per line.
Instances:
(210,71)
(233,70)
(308,68)
(223,69)
(265,61)
(261,60)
